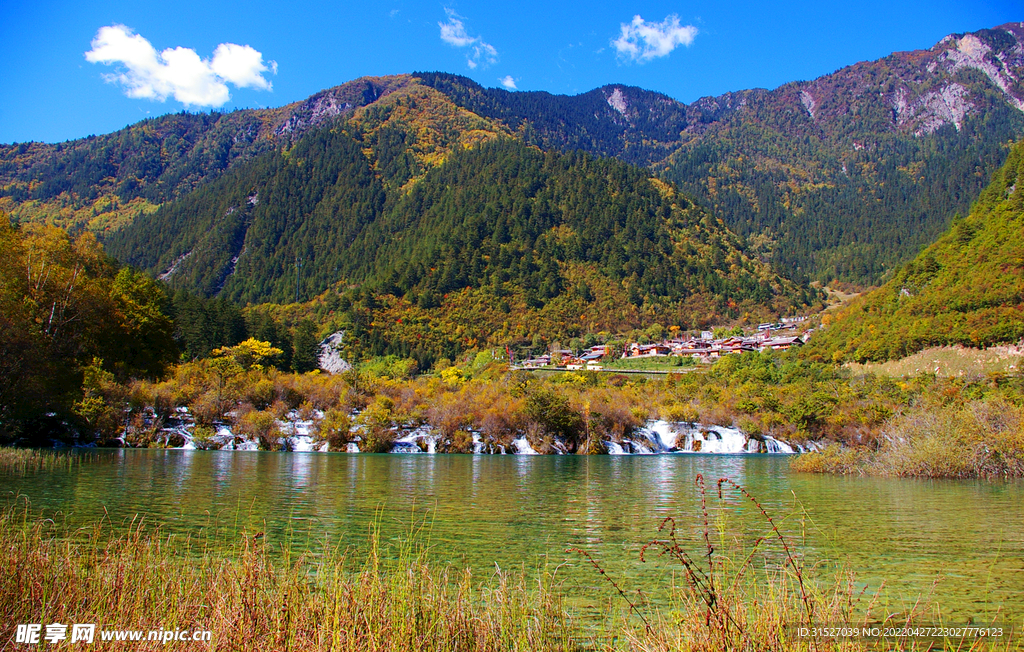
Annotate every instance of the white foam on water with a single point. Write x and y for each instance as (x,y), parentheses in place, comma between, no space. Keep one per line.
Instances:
(352,447)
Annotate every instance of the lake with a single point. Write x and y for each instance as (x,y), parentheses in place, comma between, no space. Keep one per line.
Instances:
(959,543)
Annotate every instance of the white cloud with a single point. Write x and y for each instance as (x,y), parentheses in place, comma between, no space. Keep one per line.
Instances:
(642,41)
(508,82)
(242,66)
(453,32)
(177,72)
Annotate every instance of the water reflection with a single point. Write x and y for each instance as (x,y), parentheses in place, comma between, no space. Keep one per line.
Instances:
(514,510)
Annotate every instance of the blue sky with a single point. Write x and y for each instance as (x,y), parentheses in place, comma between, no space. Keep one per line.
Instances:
(200,55)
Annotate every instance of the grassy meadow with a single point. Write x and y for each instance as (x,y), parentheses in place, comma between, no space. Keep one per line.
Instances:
(948,362)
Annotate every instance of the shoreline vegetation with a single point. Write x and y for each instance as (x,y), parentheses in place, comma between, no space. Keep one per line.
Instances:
(974,439)
(966,426)
(123,363)
(115,382)
(252,592)
(20,461)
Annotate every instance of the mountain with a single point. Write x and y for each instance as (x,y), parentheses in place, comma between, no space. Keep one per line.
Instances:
(431,215)
(967,288)
(844,177)
(851,174)
(518,224)
(103,182)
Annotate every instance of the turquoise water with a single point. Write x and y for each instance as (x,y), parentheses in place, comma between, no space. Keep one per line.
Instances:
(960,544)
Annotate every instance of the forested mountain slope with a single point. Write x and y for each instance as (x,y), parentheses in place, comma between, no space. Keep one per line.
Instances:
(967,288)
(501,215)
(851,174)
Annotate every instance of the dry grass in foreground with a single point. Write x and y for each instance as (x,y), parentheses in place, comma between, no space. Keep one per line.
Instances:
(252,600)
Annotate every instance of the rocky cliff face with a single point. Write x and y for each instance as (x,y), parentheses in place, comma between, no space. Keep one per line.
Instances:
(925,89)
(339,101)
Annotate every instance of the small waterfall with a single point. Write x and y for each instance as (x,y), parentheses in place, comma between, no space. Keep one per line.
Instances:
(662,435)
(416,441)
(778,447)
(614,448)
(522,446)
(301,444)
(478,444)
(712,439)
(720,439)
(403,446)
(225,438)
(641,449)
(352,447)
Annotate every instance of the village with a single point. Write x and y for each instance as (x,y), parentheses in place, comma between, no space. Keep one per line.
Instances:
(705,348)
